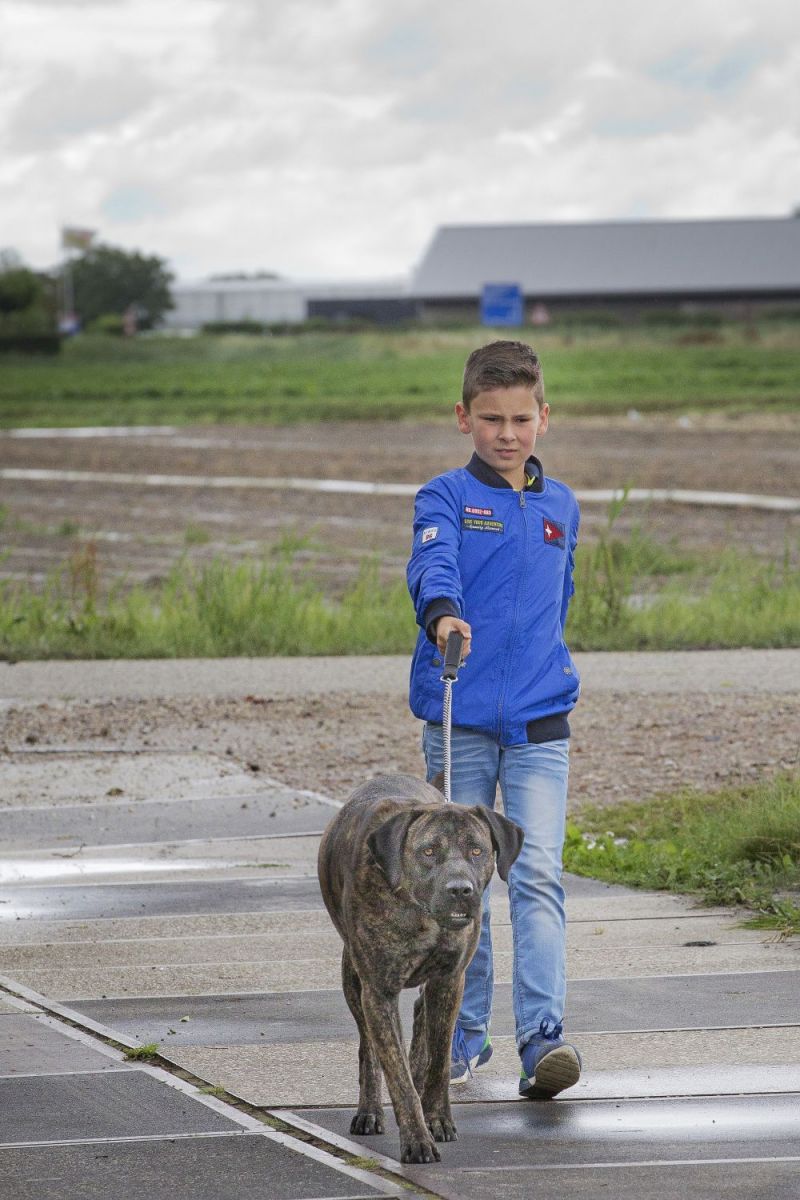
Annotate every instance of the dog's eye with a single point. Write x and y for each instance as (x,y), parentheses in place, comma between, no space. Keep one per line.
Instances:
(428,851)
(476,852)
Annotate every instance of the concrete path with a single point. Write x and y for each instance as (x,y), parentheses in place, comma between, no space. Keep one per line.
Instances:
(696,671)
(216,947)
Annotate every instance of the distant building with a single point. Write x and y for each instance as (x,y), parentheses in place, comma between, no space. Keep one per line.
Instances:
(626,265)
(281,301)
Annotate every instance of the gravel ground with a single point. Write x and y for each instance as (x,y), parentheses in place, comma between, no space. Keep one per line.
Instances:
(645,723)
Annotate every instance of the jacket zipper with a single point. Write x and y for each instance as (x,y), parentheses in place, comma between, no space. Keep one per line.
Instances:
(520,576)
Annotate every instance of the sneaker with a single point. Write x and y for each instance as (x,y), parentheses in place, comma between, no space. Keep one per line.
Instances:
(549,1065)
(471,1050)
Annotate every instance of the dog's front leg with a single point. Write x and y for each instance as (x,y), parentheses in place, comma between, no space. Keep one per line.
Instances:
(383,1022)
(369,1118)
(442,1001)
(418,1056)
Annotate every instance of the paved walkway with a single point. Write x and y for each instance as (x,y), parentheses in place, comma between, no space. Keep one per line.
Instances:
(179,923)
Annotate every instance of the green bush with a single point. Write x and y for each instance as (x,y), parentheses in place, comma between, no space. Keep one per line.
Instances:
(108,325)
(220,328)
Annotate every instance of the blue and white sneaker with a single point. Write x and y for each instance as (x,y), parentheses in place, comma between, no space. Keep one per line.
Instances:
(471,1051)
(549,1064)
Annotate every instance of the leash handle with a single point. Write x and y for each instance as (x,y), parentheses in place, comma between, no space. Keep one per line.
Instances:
(452,655)
(452,661)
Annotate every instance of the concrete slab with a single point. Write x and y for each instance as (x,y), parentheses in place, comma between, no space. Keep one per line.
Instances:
(257,947)
(735,1179)
(74,901)
(685,1002)
(645,672)
(324,942)
(108,929)
(328,1071)
(577,1150)
(165,980)
(614,910)
(247,1166)
(214,971)
(113,1105)
(16,1008)
(29,1046)
(244,814)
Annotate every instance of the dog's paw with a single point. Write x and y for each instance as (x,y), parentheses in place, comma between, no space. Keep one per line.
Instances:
(418,1150)
(443,1129)
(367,1121)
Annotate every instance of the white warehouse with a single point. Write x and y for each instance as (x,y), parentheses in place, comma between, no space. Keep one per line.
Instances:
(275,301)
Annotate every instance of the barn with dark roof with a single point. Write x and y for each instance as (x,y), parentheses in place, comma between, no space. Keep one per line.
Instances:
(625,265)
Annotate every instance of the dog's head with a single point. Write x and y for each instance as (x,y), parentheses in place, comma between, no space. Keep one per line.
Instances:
(443,858)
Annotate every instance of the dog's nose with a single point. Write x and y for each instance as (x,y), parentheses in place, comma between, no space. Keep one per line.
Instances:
(460,889)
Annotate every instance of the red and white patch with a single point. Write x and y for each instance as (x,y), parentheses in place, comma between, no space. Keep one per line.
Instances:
(429,534)
(478,512)
(553,532)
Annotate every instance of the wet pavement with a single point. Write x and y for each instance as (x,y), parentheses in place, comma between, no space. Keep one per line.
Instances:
(194,921)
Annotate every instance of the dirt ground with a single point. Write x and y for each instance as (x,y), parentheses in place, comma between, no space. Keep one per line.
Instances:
(623,746)
(141,530)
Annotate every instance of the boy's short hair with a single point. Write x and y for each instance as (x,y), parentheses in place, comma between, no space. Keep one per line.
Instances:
(502,365)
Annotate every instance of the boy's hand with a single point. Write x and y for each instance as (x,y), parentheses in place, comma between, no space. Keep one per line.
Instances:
(445,626)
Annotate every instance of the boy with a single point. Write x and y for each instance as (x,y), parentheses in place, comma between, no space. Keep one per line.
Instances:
(493,557)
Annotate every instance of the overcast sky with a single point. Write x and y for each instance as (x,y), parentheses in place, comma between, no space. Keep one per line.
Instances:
(329,138)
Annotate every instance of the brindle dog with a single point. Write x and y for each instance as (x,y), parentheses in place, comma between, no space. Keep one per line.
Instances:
(402,875)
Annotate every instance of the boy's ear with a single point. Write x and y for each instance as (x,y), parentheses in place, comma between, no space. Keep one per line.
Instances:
(463,418)
(544,418)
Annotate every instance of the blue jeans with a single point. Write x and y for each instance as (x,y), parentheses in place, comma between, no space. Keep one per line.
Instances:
(533,783)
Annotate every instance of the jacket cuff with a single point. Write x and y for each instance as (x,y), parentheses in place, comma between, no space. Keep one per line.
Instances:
(436,609)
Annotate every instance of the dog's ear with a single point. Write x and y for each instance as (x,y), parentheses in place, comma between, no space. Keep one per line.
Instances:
(386,845)
(438,782)
(507,838)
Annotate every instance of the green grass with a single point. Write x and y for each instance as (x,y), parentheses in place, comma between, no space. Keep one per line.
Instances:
(142,1053)
(700,602)
(217,610)
(275,607)
(412,374)
(738,846)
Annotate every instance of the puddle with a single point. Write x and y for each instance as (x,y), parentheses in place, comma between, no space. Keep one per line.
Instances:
(85,867)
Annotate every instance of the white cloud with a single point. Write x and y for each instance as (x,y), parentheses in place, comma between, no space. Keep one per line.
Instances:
(331,137)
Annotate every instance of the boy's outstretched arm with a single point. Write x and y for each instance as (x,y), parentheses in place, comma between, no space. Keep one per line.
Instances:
(434,578)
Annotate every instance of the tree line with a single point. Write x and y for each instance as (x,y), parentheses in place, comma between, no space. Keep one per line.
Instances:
(101,288)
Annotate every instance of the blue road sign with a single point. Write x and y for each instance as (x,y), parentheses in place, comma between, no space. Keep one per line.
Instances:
(501,304)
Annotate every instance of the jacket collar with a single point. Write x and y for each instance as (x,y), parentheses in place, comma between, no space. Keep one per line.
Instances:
(486,474)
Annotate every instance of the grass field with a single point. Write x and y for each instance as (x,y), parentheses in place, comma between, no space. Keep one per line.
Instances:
(283,378)
(276,607)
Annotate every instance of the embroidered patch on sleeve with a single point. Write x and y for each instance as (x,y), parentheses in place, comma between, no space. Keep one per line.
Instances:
(429,534)
(553,533)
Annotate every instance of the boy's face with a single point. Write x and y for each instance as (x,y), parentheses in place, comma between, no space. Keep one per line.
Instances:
(504,424)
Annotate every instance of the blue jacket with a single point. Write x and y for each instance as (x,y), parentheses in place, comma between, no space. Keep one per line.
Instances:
(502,560)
